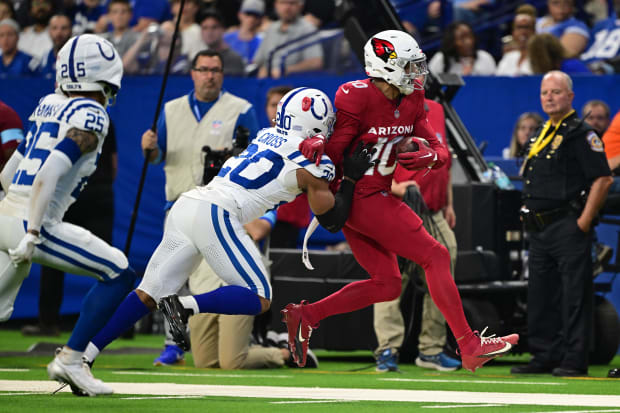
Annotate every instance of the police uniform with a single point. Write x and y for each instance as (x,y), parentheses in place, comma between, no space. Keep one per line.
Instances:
(562,163)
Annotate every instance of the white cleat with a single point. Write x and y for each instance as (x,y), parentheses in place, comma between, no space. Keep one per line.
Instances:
(77,375)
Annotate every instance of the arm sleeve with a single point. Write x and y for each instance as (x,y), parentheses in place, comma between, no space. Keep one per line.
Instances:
(334,219)
(162,136)
(56,165)
(591,156)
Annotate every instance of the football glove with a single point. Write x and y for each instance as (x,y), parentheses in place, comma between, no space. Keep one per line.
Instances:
(356,164)
(424,157)
(313,148)
(24,250)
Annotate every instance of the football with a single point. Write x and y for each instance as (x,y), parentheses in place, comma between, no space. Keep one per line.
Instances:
(408,144)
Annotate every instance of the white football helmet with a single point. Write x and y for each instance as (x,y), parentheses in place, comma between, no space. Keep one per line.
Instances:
(395,57)
(89,63)
(305,112)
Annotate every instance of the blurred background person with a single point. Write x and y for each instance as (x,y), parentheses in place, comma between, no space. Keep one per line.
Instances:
(35,40)
(603,51)
(86,15)
(560,22)
(60,32)
(212,27)
(597,114)
(515,61)
(247,38)
(546,53)
(6,10)
(289,26)
(188,27)
(459,53)
(524,129)
(120,35)
(14,62)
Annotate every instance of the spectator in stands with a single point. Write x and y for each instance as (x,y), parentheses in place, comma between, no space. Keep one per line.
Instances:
(6,10)
(469,10)
(597,114)
(524,129)
(189,29)
(247,38)
(121,36)
(561,23)
(546,53)
(459,53)
(60,32)
(603,54)
(290,27)
(516,62)
(86,15)
(319,13)
(212,26)
(13,62)
(150,53)
(146,12)
(35,40)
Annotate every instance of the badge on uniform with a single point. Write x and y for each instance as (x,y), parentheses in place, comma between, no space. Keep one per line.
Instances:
(596,144)
(216,127)
(557,141)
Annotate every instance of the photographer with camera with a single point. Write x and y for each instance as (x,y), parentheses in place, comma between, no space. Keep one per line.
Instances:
(206,116)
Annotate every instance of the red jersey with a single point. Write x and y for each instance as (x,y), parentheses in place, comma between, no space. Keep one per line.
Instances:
(365,113)
(434,183)
(9,121)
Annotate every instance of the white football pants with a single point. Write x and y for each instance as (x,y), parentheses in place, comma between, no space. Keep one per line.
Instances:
(65,246)
(197,229)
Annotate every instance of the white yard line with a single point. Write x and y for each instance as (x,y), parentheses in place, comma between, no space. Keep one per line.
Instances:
(533,383)
(160,373)
(13,370)
(318,393)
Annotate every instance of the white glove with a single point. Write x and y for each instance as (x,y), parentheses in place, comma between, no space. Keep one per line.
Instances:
(24,250)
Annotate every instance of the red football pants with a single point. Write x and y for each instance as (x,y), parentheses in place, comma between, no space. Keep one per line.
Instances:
(379,228)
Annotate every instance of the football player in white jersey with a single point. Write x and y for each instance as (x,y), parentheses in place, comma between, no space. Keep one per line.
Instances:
(43,177)
(207,222)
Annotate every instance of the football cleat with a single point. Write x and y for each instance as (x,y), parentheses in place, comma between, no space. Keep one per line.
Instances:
(485,349)
(78,376)
(299,331)
(177,317)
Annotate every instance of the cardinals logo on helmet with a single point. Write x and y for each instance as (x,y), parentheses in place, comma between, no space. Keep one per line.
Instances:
(383,49)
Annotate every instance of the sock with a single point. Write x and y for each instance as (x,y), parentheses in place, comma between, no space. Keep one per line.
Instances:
(189,303)
(70,356)
(91,352)
(98,306)
(229,299)
(131,310)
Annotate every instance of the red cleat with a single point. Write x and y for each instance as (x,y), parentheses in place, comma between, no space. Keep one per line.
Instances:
(299,331)
(485,349)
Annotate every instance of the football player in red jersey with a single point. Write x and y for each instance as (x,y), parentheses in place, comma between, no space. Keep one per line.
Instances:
(384,109)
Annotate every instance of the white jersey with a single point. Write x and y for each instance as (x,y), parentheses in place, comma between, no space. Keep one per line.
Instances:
(262,177)
(50,121)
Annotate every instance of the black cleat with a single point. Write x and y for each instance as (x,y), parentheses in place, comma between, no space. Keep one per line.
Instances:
(177,317)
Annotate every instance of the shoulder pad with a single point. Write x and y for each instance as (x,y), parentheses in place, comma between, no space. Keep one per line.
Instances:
(86,114)
(351,97)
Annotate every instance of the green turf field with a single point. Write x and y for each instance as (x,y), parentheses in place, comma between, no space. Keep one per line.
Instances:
(344,381)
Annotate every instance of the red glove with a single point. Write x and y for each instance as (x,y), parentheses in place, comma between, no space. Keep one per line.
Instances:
(313,148)
(424,157)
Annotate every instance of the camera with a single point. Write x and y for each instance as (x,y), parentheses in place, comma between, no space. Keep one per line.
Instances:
(215,159)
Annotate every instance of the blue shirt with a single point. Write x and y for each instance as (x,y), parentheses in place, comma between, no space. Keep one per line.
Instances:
(247,119)
(571,25)
(574,66)
(604,42)
(245,48)
(19,66)
(47,67)
(159,10)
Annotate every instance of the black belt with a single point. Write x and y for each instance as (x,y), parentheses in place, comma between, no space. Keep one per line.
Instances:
(539,220)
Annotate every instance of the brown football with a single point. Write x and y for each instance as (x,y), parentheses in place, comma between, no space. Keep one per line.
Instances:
(407,144)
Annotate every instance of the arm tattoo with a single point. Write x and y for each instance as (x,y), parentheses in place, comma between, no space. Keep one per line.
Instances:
(87,141)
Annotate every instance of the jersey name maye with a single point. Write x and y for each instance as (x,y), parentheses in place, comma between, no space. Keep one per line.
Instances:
(261,177)
(50,121)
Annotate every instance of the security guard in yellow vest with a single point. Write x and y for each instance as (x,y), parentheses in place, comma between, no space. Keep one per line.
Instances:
(566,179)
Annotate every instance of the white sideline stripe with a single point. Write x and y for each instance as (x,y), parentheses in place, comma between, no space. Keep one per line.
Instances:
(478,381)
(314,401)
(161,397)
(462,406)
(323,393)
(147,373)
(13,370)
